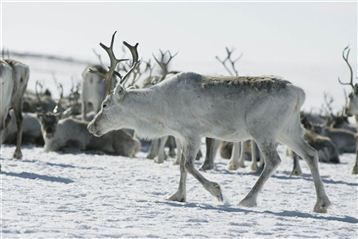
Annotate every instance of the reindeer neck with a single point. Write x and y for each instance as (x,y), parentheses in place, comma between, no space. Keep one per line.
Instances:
(149,110)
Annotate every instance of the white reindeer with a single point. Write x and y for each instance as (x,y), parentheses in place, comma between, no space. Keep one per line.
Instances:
(352,108)
(13,82)
(190,106)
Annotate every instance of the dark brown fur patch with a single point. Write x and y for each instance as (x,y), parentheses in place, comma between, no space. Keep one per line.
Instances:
(258,82)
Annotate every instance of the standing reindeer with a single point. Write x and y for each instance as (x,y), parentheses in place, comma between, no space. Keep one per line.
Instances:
(352,108)
(190,106)
(13,80)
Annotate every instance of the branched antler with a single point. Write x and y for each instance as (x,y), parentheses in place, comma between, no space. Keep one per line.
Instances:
(37,86)
(114,62)
(164,62)
(345,56)
(328,101)
(228,63)
(58,85)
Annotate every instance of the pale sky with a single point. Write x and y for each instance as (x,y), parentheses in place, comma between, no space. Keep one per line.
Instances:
(301,42)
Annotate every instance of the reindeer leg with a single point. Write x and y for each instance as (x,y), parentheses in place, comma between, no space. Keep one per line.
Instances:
(154,148)
(179,152)
(237,151)
(253,156)
(355,167)
(242,154)
(19,119)
(212,146)
(310,155)
(191,151)
(84,110)
(161,154)
(180,194)
(171,143)
(296,165)
(272,160)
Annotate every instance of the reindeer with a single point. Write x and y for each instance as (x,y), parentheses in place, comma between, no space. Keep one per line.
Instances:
(13,80)
(190,106)
(352,108)
(60,134)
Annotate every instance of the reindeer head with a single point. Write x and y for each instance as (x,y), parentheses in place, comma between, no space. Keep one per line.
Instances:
(48,123)
(352,107)
(114,102)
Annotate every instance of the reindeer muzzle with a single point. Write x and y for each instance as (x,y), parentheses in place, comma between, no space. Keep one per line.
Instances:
(93,129)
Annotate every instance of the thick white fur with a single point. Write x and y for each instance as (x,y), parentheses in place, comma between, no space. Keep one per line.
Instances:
(190,106)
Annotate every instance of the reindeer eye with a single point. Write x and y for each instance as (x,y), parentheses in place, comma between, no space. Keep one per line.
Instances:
(104,105)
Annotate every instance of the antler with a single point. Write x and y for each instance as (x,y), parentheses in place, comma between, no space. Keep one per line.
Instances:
(58,85)
(345,55)
(115,61)
(135,61)
(163,63)
(38,84)
(113,64)
(328,101)
(232,62)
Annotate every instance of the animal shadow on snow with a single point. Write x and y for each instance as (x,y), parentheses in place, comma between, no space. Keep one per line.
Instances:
(27,175)
(285,213)
(61,165)
(308,177)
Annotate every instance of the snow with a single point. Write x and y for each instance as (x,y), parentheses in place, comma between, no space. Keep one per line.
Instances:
(52,195)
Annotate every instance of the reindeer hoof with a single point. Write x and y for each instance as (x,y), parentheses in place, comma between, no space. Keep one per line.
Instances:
(17,154)
(322,205)
(149,156)
(254,167)
(232,166)
(172,154)
(158,160)
(178,197)
(248,202)
(215,190)
(205,167)
(296,172)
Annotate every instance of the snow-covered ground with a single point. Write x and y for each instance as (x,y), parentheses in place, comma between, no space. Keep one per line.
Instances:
(51,195)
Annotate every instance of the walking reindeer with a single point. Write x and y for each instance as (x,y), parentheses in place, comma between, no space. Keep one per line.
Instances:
(190,106)
(13,81)
(352,108)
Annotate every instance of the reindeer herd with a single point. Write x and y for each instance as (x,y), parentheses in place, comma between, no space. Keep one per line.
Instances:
(242,117)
